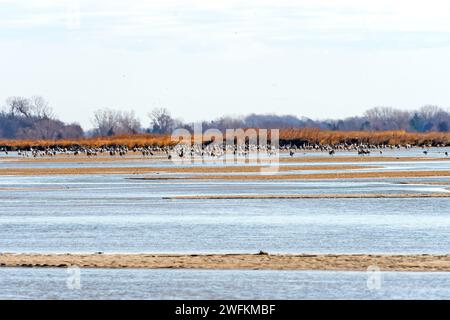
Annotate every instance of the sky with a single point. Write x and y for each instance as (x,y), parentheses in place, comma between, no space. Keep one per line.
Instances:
(203,59)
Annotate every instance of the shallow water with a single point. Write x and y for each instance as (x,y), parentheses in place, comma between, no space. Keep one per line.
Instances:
(112,213)
(89,213)
(52,283)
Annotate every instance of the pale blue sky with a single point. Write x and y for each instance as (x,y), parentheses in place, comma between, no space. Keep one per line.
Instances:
(203,59)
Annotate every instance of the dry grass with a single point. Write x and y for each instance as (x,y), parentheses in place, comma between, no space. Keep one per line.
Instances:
(298,136)
(316,136)
(233,261)
(130,141)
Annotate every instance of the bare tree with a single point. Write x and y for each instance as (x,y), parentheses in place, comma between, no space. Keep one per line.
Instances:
(387,118)
(35,107)
(72,131)
(19,106)
(110,122)
(161,120)
(40,108)
(428,112)
(105,122)
(33,118)
(128,123)
(45,129)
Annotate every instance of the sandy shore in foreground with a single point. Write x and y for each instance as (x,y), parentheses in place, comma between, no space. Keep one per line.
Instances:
(233,261)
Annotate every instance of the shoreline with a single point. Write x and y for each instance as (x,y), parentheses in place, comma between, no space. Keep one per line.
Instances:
(308,176)
(163,170)
(313,196)
(300,158)
(261,261)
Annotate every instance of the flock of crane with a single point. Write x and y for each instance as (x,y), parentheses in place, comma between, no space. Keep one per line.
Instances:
(208,150)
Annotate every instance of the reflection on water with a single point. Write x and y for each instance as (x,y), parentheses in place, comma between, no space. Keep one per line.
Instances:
(51,283)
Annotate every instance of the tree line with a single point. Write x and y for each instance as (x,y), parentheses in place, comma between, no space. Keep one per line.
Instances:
(427,119)
(33,118)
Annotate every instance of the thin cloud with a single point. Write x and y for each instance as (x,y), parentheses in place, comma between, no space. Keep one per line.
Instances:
(276,18)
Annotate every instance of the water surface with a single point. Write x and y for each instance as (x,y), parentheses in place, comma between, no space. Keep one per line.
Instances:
(51,283)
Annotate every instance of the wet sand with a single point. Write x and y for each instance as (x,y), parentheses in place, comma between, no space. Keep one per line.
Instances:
(302,158)
(429,183)
(315,196)
(233,261)
(362,159)
(85,159)
(143,170)
(241,176)
(311,176)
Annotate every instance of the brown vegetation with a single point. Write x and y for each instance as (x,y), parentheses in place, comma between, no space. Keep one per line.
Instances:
(316,136)
(307,136)
(130,141)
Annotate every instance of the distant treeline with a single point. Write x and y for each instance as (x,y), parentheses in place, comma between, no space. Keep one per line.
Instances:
(426,119)
(33,118)
(108,122)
